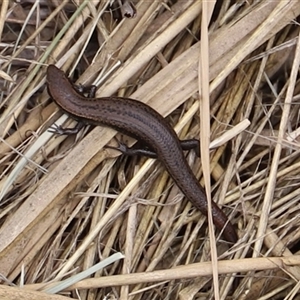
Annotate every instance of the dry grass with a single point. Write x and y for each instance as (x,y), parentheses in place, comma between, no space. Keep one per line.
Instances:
(68,203)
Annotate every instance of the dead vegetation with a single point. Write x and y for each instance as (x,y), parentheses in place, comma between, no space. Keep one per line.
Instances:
(68,203)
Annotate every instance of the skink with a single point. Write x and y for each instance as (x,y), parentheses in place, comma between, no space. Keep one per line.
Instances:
(143,123)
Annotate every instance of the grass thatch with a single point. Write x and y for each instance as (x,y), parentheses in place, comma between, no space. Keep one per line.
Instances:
(69,203)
